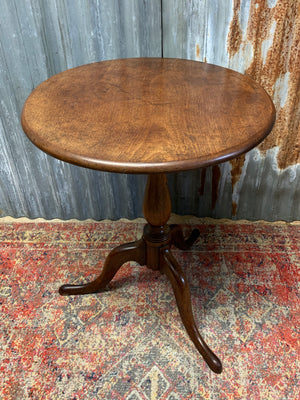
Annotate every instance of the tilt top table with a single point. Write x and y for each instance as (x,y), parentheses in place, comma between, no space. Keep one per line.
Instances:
(149,115)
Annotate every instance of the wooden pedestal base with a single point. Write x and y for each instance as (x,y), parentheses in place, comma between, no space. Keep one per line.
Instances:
(154,251)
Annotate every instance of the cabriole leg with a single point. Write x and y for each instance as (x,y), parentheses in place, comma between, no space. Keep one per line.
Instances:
(134,251)
(181,289)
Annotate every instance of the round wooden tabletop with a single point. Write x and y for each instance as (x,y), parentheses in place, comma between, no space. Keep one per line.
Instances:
(147,115)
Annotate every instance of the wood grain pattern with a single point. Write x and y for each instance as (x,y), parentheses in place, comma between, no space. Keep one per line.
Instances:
(147,115)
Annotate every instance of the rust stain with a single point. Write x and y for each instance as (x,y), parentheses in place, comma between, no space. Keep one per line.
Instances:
(233,208)
(276,68)
(216,176)
(197,52)
(236,169)
(203,177)
(234,38)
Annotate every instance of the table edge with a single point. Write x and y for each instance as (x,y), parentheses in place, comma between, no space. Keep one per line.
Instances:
(153,167)
(147,168)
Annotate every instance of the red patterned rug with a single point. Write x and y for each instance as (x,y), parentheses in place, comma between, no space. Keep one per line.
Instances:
(129,342)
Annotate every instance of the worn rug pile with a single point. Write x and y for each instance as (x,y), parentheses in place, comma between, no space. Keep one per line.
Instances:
(128,342)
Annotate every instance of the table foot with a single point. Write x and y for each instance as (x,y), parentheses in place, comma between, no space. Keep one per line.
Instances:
(181,289)
(177,238)
(134,251)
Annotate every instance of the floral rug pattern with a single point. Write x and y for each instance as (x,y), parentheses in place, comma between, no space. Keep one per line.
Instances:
(128,342)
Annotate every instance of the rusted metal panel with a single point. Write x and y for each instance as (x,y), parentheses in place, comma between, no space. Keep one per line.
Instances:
(259,38)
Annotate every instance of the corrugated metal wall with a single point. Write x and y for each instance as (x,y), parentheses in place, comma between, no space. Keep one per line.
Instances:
(40,38)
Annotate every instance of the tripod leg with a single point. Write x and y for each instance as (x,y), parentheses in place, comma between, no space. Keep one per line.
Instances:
(134,251)
(181,289)
(178,240)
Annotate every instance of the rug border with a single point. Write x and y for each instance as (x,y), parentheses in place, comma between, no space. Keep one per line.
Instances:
(178,219)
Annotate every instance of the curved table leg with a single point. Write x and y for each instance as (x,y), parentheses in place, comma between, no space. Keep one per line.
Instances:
(178,240)
(183,298)
(134,251)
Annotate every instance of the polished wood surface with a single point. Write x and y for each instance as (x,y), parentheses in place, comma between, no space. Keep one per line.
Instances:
(147,115)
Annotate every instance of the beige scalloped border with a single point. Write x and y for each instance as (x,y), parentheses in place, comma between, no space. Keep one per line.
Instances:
(178,219)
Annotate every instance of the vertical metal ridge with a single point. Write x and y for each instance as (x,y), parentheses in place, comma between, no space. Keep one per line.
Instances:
(162,28)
